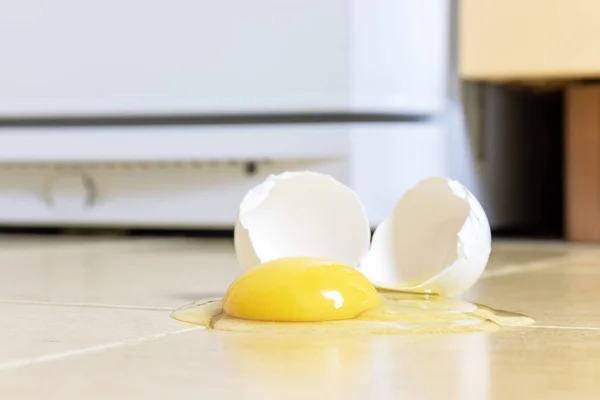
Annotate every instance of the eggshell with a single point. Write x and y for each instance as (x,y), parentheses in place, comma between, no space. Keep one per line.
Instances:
(243,247)
(437,240)
(301,214)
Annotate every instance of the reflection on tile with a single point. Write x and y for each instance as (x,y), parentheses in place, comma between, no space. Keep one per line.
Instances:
(229,365)
(37,330)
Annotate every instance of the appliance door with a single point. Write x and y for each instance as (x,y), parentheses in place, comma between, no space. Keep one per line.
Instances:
(145,57)
(191,176)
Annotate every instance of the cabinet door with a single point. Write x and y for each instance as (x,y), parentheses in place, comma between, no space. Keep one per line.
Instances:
(533,39)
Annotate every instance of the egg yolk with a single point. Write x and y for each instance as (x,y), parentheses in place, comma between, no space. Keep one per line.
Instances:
(300,289)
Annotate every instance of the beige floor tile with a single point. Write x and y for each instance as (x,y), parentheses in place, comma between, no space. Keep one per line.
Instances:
(559,291)
(165,274)
(32,331)
(75,352)
(518,253)
(147,273)
(521,364)
(151,273)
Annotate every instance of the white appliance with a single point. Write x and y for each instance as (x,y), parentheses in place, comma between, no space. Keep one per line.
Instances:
(158,114)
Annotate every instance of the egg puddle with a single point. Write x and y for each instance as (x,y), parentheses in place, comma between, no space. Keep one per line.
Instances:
(309,262)
(399,313)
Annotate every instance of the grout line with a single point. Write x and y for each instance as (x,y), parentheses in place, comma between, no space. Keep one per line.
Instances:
(91,305)
(89,350)
(572,328)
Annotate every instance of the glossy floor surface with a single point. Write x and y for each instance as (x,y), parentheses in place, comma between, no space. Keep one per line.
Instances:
(89,319)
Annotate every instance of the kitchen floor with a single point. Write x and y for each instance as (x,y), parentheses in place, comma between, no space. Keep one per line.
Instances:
(89,319)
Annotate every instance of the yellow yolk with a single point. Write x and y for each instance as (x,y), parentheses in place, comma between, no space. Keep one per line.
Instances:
(300,289)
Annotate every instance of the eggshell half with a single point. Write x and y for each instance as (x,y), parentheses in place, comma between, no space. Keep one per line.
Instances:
(437,240)
(301,214)
(243,247)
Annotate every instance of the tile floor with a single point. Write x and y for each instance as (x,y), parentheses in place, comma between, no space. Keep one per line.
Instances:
(89,319)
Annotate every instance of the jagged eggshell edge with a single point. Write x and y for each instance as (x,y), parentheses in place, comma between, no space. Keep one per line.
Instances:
(431,243)
(301,214)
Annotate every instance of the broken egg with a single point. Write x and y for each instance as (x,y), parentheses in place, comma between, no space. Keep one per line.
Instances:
(304,242)
(436,240)
(397,313)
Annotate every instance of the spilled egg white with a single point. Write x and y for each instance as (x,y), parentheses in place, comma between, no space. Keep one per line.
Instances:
(436,240)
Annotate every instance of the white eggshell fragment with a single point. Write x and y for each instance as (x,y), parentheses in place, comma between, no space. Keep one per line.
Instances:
(243,247)
(298,214)
(437,240)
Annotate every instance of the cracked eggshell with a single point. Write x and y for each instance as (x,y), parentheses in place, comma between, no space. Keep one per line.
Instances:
(301,214)
(437,240)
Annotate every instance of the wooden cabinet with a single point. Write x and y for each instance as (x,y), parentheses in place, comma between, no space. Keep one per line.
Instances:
(529,39)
